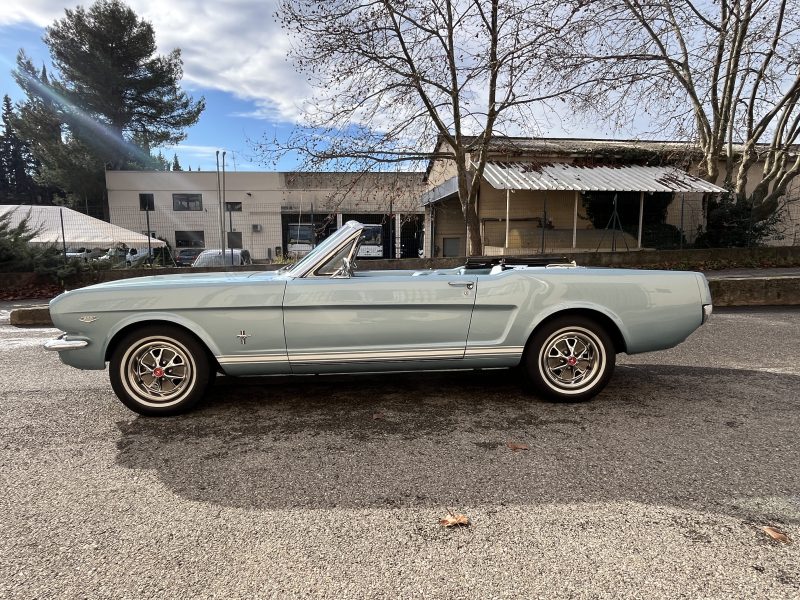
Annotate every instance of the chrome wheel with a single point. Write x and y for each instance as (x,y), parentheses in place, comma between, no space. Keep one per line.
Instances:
(160,371)
(570,358)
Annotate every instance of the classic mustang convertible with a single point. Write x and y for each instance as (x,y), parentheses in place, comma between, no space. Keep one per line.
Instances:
(167,336)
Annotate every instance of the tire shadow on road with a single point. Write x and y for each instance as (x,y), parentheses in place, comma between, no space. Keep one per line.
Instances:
(691,437)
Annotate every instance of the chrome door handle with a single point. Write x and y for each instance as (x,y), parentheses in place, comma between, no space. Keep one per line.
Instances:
(467,284)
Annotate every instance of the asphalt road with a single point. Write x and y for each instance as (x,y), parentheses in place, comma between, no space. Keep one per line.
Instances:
(333,486)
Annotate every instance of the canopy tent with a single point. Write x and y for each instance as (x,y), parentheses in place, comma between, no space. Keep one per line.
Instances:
(60,225)
(595,178)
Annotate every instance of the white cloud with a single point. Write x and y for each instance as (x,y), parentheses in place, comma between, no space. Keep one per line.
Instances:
(230,45)
(37,12)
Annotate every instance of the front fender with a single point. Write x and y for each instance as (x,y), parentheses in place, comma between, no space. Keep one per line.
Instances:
(162,317)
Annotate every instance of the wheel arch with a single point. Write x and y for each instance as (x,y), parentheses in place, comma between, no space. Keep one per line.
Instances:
(125,329)
(611,324)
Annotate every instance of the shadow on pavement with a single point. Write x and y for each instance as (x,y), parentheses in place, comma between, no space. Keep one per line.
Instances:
(708,439)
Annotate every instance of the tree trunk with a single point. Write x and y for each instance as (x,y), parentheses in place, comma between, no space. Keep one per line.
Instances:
(474,242)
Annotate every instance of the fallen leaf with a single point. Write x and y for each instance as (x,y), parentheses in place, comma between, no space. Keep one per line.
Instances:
(517,446)
(379,416)
(454,520)
(776,535)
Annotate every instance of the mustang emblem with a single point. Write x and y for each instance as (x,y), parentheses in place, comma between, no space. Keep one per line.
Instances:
(242,335)
(87,319)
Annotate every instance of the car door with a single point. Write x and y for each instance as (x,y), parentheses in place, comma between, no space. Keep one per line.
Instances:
(375,321)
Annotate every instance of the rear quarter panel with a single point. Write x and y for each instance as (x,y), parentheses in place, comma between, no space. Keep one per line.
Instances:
(652,309)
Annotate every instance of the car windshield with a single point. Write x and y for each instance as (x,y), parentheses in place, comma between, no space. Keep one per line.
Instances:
(322,249)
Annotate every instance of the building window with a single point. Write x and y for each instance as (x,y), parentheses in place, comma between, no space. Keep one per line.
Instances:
(187,201)
(146,202)
(233,207)
(190,239)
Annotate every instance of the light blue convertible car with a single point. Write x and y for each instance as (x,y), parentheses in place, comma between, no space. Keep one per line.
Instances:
(166,337)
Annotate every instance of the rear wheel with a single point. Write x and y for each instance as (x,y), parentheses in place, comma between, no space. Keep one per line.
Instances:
(159,371)
(569,359)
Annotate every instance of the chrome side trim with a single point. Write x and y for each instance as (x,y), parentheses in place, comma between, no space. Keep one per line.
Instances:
(481,351)
(386,355)
(379,356)
(264,358)
(60,343)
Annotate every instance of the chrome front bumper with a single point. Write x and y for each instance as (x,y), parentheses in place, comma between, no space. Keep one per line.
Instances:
(60,343)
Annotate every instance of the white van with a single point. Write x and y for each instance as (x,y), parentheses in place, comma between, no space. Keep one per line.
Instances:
(215,258)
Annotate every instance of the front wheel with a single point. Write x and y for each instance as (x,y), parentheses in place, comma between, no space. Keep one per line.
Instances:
(159,371)
(569,359)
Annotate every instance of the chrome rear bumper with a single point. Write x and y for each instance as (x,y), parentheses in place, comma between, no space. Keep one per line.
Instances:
(707,310)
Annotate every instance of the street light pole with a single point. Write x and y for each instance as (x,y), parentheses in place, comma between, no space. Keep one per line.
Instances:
(221,210)
(225,204)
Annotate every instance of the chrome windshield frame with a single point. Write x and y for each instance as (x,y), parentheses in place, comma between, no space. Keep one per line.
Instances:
(330,246)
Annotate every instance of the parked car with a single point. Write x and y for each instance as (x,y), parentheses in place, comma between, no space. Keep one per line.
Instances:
(85,254)
(166,337)
(216,258)
(184,257)
(116,255)
(155,255)
(136,257)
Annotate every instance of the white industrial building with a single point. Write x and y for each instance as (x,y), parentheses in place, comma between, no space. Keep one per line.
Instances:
(258,209)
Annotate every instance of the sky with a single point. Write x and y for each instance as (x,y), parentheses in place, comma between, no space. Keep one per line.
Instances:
(234,54)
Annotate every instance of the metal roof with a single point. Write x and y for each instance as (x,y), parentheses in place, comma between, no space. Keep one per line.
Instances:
(596,178)
(448,188)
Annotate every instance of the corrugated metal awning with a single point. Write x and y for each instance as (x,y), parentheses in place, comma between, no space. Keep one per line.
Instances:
(599,178)
(443,190)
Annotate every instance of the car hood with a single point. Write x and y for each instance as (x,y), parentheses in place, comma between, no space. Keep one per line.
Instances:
(182,280)
(166,292)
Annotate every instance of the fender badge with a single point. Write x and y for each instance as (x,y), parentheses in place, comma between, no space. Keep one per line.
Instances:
(87,319)
(243,337)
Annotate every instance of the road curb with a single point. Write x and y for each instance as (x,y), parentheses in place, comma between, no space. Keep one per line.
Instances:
(755,291)
(725,291)
(34,316)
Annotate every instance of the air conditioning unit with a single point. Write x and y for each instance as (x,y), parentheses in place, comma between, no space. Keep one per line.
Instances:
(257,228)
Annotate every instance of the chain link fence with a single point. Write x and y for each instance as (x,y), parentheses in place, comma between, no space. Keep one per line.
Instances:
(150,235)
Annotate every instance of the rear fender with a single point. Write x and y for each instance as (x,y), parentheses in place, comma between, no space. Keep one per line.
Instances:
(554,310)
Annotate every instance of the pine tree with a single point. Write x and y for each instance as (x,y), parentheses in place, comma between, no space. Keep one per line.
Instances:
(176,166)
(113,97)
(161,162)
(16,163)
(66,165)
